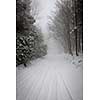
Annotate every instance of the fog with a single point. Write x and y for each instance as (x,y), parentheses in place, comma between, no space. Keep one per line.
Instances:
(45,9)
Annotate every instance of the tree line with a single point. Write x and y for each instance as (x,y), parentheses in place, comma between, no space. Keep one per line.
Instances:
(29,38)
(67,25)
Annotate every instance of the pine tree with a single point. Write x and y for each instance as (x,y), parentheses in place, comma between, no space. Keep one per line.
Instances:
(29,41)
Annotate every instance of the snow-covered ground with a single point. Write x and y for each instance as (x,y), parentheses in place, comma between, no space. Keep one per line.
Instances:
(56,76)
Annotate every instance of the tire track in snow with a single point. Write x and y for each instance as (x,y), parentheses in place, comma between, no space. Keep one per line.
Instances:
(33,84)
(25,85)
(46,81)
(42,81)
(66,87)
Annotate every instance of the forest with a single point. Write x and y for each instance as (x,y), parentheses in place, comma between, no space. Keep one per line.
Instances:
(29,39)
(65,24)
(49,50)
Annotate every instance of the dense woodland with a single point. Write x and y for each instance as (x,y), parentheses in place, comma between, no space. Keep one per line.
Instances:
(29,39)
(67,25)
(49,47)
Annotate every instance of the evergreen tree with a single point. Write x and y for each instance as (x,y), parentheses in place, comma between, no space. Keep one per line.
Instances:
(29,42)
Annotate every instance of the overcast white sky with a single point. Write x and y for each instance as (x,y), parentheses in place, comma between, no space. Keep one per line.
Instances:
(46,6)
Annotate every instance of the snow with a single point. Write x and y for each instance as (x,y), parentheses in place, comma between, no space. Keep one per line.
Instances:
(54,77)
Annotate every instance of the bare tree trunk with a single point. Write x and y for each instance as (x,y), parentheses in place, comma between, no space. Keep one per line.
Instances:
(76,39)
(79,45)
(65,46)
(69,47)
(68,39)
(76,42)
(82,45)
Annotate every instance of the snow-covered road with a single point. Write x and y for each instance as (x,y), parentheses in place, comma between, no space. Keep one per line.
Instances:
(50,78)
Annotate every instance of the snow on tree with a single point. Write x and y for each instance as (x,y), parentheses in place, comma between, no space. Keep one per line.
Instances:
(67,25)
(29,41)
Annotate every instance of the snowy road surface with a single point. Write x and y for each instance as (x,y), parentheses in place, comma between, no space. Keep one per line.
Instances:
(50,78)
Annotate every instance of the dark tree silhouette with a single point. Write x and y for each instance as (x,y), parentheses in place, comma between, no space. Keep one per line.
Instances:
(29,41)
